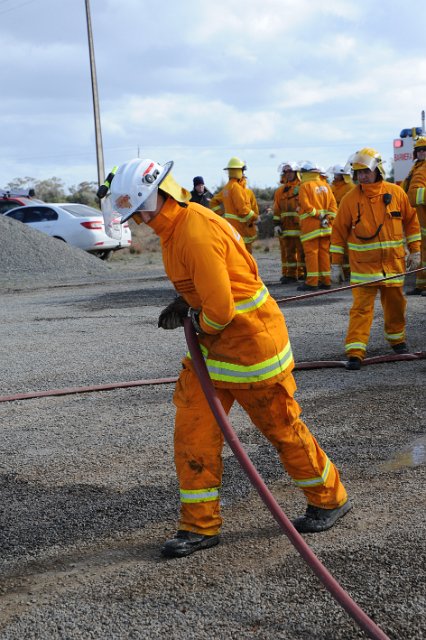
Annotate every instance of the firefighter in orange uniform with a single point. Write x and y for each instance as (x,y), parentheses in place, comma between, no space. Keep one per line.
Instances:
(342,183)
(243,336)
(286,222)
(317,209)
(372,220)
(415,187)
(237,204)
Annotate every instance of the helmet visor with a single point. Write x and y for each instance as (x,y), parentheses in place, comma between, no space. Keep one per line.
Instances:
(363,161)
(112,219)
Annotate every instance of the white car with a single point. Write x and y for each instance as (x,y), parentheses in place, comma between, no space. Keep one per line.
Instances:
(77,224)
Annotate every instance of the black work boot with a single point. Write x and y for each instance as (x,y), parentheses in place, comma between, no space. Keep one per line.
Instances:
(287,280)
(324,287)
(415,292)
(401,347)
(306,287)
(186,542)
(353,364)
(317,519)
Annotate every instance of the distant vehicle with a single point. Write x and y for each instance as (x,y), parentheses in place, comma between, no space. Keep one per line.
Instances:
(76,224)
(10,199)
(403,150)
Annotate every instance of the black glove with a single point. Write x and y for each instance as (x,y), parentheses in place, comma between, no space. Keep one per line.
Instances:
(174,314)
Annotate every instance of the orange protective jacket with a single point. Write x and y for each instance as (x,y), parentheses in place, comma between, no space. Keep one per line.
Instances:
(285,208)
(374,232)
(341,188)
(415,184)
(244,340)
(315,199)
(238,204)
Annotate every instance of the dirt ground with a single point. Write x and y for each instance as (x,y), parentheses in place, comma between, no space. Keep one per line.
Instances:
(88,489)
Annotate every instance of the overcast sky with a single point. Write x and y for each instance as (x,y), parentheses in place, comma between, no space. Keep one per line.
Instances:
(199,81)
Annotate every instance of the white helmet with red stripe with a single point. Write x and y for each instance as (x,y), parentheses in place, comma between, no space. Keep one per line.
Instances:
(135,186)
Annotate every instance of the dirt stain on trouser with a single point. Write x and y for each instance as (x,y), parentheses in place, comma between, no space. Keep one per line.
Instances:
(199,442)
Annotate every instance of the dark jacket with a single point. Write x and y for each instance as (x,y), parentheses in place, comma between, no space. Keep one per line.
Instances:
(203,199)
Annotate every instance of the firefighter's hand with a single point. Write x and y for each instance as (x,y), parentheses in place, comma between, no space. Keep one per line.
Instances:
(413,261)
(277,230)
(174,314)
(337,274)
(323,220)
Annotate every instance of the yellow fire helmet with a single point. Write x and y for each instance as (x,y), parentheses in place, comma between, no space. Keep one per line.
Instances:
(419,145)
(235,163)
(367,158)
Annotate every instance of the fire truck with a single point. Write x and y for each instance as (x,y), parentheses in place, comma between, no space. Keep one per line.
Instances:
(403,150)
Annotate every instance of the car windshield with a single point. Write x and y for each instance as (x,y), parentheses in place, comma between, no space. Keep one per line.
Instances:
(81,210)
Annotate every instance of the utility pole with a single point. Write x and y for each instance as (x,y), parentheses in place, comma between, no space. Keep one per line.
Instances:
(98,134)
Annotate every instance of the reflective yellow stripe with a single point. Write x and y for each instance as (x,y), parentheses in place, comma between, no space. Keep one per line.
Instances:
(309,214)
(199,495)
(243,306)
(334,248)
(313,482)
(232,216)
(324,231)
(368,277)
(394,336)
(289,214)
(227,372)
(416,236)
(372,246)
(254,302)
(294,233)
(420,195)
(351,346)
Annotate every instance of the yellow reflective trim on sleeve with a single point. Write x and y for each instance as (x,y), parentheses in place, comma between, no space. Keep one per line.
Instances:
(232,216)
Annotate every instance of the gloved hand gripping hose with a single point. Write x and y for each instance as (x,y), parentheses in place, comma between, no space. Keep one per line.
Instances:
(338,593)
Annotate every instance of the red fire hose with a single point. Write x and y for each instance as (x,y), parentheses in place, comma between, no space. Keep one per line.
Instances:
(338,593)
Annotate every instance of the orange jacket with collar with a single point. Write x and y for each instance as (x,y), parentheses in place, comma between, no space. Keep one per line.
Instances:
(244,340)
(340,189)
(315,198)
(374,232)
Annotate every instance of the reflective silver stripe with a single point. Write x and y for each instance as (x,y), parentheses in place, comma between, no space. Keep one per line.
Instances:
(334,248)
(355,345)
(420,195)
(256,301)
(313,482)
(324,231)
(387,244)
(394,336)
(199,495)
(232,216)
(228,372)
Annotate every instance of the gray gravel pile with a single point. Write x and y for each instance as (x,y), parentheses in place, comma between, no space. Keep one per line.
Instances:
(88,491)
(28,257)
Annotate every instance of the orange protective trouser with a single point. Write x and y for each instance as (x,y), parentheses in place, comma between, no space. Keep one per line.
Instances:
(199,443)
(292,259)
(317,260)
(362,312)
(421,275)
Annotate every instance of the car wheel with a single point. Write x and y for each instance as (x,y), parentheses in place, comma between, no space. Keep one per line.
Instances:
(104,255)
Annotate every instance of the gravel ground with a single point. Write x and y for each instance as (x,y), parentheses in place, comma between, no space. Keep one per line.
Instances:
(88,489)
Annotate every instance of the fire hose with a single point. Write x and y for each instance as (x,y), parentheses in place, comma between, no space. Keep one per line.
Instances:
(338,593)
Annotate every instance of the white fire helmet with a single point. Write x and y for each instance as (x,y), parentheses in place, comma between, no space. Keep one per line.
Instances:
(291,165)
(308,166)
(135,187)
(339,170)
